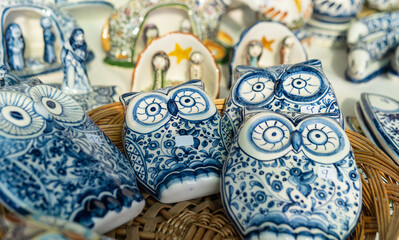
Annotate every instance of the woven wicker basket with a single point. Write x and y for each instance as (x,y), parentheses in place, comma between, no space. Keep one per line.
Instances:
(205,218)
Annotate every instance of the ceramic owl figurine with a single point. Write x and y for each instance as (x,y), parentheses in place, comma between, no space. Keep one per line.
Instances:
(291,176)
(300,87)
(172,138)
(55,161)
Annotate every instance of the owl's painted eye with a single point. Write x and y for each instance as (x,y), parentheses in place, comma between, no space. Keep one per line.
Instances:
(323,138)
(271,135)
(303,84)
(193,103)
(254,89)
(57,104)
(266,136)
(151,110)
(17,116)
(147,112)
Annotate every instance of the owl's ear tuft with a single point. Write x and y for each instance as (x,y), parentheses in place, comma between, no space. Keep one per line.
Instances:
(240,70)
(248,111)
(315,63)
(126,98)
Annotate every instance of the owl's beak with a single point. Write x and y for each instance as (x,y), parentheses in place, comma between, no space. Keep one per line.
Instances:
(296,140)
(172,107)
(278,88)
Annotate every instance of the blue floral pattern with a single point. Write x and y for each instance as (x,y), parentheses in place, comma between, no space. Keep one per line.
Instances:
(155,121)
(278,88)
(68,168)
(295,190)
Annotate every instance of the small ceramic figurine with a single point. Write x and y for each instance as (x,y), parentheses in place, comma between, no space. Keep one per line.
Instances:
(160,65)
(173,59)
(386,21)
(128,25)
(15,45)
(57,162)
(73,58)
(254,52)
(381,114)
(262,44)
(368,58)
(49,38)
(172,138)
(150,32)
(331,20)
(291,176)
(300,87)
(196,61)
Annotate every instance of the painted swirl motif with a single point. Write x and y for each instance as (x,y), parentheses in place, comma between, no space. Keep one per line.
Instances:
(55,161)
(291,177)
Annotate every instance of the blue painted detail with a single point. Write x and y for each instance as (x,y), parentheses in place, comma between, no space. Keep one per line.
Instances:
(285,191)
(49,55)
(153,122)
(279,88)
(15,45)
(55,161)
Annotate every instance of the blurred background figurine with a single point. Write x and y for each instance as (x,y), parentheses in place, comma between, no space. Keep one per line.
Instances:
(160,65)
(15,47)
(73,57)
(254,52)
(49,38)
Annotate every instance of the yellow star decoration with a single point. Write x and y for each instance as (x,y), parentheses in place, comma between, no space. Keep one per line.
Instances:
(181,53)
(298,5)
(267,44)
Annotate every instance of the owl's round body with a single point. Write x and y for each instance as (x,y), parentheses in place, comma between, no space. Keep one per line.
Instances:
(172,139)
(300,87)
(55,161)
(291,176)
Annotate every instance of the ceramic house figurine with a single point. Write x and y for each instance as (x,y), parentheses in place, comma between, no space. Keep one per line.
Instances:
(381,115)
(331,20)
(262,45)
(173,59)
(300,87)
(292,13)
(123,33)
(38,18)
(291,176)
(172,138)
(55,161)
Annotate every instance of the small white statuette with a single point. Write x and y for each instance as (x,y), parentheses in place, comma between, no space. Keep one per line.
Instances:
(160,65)
(149,33)
(286,49)
(196,60)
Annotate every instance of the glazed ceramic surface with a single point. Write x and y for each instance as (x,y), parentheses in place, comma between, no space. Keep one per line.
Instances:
(383,5)
(331,20)
(172,138)
(382,116)
(292,13)
(45,228)
(271,36)
(24,53)
(386,21)
(127,25)
(301,87)
(178,48)
(369,57)
(55,161)
(291,176)
(363,124)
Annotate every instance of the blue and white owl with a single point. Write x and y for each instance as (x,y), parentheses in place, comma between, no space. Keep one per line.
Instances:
(300,87)
(291,175)
(172,138)
(55,161)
